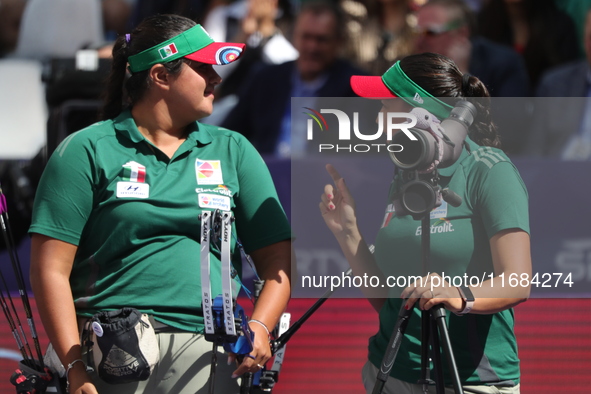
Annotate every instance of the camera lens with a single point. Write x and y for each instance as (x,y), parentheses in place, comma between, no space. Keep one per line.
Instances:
(418,197)
(415,155)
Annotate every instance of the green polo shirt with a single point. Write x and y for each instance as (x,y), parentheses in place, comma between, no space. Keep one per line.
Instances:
(494,198)
(134,214)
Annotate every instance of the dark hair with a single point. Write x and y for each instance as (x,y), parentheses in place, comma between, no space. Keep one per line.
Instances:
(441,78)
(125,89)
(319,7)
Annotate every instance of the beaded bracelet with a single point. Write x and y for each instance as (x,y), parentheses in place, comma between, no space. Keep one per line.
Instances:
(262,324)
(70,366)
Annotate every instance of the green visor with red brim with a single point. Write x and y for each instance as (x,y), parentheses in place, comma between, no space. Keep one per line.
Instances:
(194,44)
(395,83)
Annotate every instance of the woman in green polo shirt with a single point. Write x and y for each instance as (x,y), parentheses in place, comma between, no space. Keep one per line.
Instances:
(117,214)
(486,237)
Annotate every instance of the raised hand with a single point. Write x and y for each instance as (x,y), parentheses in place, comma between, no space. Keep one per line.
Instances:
(337,205)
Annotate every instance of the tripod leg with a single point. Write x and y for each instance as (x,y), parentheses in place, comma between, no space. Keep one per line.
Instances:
(436,352)
(438,313)
(426,334)
(392,349)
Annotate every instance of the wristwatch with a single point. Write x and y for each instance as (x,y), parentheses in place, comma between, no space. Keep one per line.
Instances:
(468,298)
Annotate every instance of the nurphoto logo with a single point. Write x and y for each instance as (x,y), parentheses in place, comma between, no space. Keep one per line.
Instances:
(345,127)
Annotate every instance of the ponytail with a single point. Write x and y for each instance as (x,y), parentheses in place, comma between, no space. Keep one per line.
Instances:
(113,100)
(483,131)
(439,76)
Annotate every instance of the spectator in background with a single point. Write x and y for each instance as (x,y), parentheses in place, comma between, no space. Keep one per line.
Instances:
(259,23)
(116,14)
(577,10)
(243,18)
(11,13)
(193,9)
(445,27)
(561,126)
(537,29)
(379,32)
(263,112)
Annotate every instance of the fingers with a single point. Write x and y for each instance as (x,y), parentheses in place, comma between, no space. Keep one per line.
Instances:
(250,363)
(253,362)
(340,186)
(327,199)
(430,291)
(422,291)
(329,192)
(422,294)
(323,208)
(333,173)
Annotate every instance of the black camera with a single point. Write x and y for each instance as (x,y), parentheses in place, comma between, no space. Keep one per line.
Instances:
(435,146)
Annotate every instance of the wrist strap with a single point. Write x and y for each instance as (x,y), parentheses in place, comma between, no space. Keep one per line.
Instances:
(262,324)
(225,261)
(205,263)
(468,298)
(208,222)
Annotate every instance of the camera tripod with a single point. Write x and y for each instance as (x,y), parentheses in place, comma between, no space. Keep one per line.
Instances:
(433,328)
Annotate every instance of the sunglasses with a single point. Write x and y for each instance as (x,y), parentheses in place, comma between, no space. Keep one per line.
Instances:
(433,31)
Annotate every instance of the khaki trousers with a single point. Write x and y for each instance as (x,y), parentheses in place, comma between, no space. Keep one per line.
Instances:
(395,386)
(184,368)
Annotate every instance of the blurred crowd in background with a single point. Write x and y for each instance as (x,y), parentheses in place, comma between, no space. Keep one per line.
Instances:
(310,48)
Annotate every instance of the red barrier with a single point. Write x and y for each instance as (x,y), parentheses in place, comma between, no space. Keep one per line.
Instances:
(327,353)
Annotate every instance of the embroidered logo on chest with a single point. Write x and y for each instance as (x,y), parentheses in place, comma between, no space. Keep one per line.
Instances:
(134,172)
(134,181)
